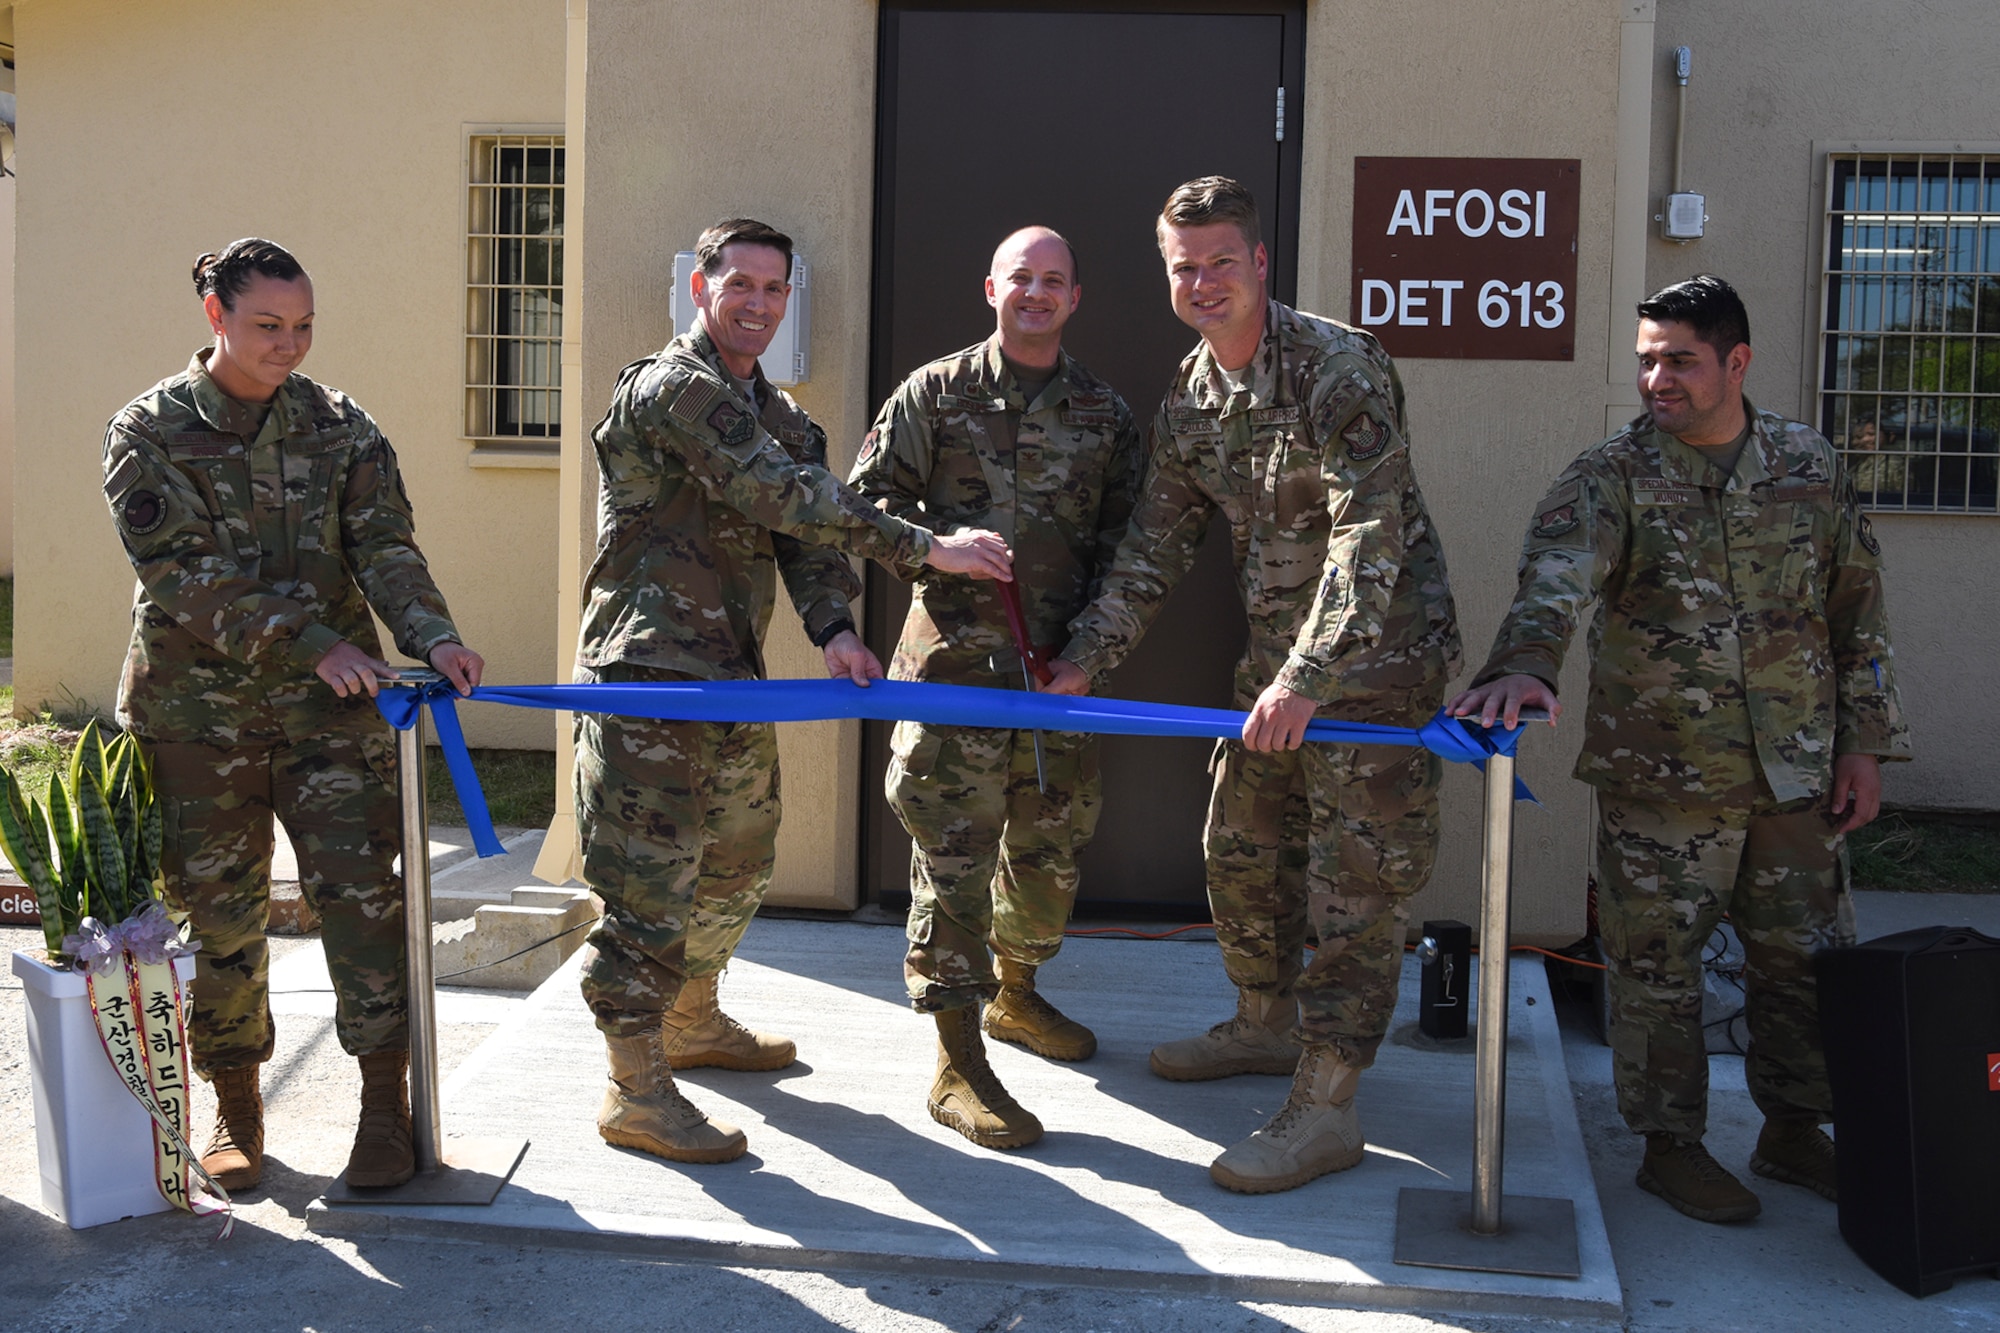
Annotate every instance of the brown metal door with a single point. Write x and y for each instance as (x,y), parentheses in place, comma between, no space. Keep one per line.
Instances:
(994,119)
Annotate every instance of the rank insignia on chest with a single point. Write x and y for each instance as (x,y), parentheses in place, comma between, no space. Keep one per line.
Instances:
(731,424)
(144,511)
(1365,438)
(1556,521)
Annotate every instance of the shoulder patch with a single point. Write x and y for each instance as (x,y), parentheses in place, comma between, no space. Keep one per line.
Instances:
(143,511)
(1556,515)
(1864,532)
(121,478)
(733,426)
(693,399)
(1365,437)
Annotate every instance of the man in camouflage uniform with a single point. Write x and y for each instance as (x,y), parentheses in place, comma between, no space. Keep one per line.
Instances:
(263,521)
(1292,428)
(712,482)
(1742,693)
(1015,434)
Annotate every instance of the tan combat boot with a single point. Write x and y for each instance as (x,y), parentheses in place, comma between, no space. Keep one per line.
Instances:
(1258,1040)
(383,1151)
(1019,1014)
(966,1094)
(1692,1181)
(1316,1131)
(643,1109)
(235,1152)
(697,1033)
(1797,1152)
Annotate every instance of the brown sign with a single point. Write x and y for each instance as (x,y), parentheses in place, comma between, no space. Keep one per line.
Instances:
(1467,256)
(18,906)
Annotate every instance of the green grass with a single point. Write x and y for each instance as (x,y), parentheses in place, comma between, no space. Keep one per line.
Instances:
(1927,854)
(520,787)
(34,747)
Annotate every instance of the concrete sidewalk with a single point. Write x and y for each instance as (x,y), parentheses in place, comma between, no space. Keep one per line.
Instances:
(1110,1224)
(847,1170)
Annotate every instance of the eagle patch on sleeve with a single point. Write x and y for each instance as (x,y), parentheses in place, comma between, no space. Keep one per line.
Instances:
(1864,532)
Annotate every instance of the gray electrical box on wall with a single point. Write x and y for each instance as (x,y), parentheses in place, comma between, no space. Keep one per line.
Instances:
(788,360)
(1685,217)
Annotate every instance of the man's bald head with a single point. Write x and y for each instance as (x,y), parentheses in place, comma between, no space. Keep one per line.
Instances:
(1029,236)
(1032,289)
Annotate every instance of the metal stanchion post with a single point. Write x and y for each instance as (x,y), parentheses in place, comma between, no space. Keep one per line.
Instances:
(463,1171)
(425,1133)
(1443,1228)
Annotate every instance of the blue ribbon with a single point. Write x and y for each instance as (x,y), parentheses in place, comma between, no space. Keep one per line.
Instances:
(893,701)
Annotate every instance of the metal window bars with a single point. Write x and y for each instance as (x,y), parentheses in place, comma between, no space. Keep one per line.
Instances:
(514,290)
(1910,335)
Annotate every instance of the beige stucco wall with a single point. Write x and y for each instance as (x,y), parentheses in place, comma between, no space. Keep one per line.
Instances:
(1775,87)
(1526,81)
(795,146)
(7,199)
(164,129)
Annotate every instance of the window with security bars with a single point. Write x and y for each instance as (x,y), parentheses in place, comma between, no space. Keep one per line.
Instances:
(513,290)
(1910,372)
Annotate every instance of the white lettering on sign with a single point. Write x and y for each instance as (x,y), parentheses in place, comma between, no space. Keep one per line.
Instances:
(1474,214)
(18,903)
(1408,303)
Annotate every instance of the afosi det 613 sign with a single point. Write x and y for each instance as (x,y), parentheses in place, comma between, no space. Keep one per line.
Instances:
(1467,256)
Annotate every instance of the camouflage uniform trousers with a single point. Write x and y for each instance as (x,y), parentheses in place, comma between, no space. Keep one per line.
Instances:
(993,858)
(1665,876)
(336,793)
(678,823)
(1333,839)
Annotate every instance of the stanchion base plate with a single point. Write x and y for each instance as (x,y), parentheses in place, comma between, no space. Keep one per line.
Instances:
(1537,1237)
(472,1173)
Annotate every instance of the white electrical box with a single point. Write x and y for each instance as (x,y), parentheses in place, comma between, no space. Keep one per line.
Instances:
(1685,218)
(788,360)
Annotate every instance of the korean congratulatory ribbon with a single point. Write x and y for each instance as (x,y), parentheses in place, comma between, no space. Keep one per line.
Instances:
(1449,738)
(135,997)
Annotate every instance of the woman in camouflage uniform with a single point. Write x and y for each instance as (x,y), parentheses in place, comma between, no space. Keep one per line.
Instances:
(264,516)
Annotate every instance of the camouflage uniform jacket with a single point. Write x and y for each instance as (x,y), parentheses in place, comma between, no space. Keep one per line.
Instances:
(1740,640)
(259,546)
(701,496)
(1340,569)
(958,447)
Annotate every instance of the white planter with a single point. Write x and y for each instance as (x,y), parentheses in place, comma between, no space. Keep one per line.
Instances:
(94,1140)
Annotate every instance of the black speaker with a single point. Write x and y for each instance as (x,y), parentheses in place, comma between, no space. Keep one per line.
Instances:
(1912,1030)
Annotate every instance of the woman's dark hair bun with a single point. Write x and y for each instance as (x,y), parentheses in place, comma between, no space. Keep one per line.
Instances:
(228,273)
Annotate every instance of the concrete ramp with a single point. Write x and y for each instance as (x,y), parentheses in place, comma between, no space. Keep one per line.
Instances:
(846,1169)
